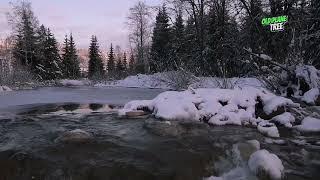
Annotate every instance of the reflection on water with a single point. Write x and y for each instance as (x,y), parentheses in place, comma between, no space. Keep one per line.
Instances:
(136,149)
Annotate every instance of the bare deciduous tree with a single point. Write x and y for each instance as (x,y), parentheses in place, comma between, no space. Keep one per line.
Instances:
(139,24)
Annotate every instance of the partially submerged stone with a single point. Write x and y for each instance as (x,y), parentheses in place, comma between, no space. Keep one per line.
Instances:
(75,136)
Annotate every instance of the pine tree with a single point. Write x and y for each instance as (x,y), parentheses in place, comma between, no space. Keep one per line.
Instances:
(131,64)
(161,44)
(178,44)
(52,62)
(313,42)
(119,66)
(71,64)
(111,61)
(96,69)
(41,53)
(65,57)
(25,48)
(124,61)
(75,64)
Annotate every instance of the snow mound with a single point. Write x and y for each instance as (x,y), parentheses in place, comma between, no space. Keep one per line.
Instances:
(4,88)
(69,82)
(309,124)
(285,119)
(311,96)
(217,106)
(264,161)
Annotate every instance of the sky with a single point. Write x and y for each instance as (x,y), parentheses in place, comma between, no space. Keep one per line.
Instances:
(104,18)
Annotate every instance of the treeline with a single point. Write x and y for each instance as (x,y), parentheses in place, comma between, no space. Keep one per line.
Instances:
(221,38)
(36,49)
(117,65)
(226,38)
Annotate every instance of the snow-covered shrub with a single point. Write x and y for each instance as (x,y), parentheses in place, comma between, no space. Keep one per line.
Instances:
(178,80)
(18,77)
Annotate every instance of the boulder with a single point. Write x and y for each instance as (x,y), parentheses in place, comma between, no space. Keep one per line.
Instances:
(280,110)
(136,113)
(75,136)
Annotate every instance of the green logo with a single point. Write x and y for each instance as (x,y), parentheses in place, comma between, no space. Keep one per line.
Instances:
(276,23)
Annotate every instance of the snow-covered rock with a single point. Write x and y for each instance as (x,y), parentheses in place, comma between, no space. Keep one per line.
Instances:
(268,129)
(285,119)
(4,88)
(309,124)
(312,97)
(263,163)
(310,74)
(217,106)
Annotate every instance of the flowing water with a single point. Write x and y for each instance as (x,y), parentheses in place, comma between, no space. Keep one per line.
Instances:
(133,149)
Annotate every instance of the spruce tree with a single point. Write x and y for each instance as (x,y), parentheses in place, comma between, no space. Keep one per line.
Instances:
(75,64)
(65,57)
(119,66)
(25,47)
(111,61)
(161,44)
(178,44)
(41,53)
(131,64)
(313,40)
(71,64)
(53,62)
(96,69)
(124,61)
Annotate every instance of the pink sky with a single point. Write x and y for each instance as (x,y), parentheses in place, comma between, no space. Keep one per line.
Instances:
(104,18)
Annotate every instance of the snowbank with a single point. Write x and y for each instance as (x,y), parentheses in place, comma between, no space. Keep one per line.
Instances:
(161,81)
(4,88)
(311,96)
(265,162)
(217,106)
(69,82)
(309,124)
(138,81)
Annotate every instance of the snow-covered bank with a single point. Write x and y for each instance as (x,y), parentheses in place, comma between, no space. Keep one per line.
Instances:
(166,81)
(4,88)
(219,107)
(70,82)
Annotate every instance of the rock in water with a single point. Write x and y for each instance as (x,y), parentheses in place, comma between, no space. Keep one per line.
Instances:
(266,165)
(75,136)
(132,114)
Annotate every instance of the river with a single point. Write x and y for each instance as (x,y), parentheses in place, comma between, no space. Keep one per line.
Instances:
(133,149)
